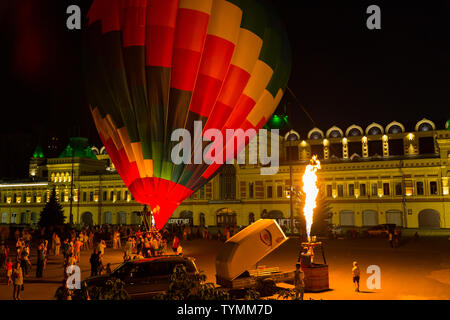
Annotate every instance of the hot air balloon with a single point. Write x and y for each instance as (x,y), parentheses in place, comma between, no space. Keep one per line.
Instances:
(153,66)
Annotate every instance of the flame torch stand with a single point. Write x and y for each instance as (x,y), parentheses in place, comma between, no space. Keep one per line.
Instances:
(316,274)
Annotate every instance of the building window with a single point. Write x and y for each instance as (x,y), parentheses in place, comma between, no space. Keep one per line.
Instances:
(111,196)
(250,190)
(105,195)
(386,189)
(202,192)
(125,197)
(279,191)
(419,188)
(91,196)
(374,189)
(351,190)
(61,198)
(84,196)
(362,189)
(118,195)
(433,188)
(227,182)
(329,190)
(398,189)
(269,192)
(340,189)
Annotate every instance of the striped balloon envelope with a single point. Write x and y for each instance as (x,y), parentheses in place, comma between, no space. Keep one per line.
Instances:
(153,66)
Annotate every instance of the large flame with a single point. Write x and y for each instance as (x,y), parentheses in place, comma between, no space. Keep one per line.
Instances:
(311,191)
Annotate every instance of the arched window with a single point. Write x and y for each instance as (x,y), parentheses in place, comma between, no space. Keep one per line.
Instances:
(316,135)
(227,181)
(354,132)
(425,127)
(335,134)
(395,129)
(226,218)
(202,219)
(374,131)
(86,218)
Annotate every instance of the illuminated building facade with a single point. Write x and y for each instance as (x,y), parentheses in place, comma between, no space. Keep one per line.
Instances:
(373,175)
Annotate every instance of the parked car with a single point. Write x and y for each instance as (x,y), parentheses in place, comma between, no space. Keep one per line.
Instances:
(145,278)
(381,230)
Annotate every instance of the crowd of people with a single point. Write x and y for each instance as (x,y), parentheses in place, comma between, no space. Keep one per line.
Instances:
(134,242)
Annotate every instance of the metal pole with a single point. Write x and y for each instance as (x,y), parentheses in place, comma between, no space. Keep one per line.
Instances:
(405,213)
(71,194)
(291,199)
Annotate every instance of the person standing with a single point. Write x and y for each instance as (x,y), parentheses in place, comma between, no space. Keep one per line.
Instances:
(101,247)
(356,274)
(77,249)
(391,239)
(40,260)
(57,245)
(9,270)
(129,247)
(175,243)
(3,254)
(54,235)
(17,275)
(94,263)
(396,237)
(65,248)
(299,282)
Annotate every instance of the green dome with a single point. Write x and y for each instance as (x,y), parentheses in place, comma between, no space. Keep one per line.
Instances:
(78,147)
(38,152)
(447,125)
(277,122)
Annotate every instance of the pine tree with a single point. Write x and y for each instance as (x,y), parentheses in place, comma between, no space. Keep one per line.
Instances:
(322,213)
(52,214)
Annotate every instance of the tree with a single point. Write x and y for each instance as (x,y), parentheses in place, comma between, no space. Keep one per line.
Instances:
(322,213)
(52,215)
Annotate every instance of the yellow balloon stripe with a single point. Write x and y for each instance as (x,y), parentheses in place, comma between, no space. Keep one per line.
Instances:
(197,5)
(265,106)
(225,21)
(247,51)
(260,77)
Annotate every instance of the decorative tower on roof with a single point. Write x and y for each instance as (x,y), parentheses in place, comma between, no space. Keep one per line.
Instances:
(78,147)
(36,163)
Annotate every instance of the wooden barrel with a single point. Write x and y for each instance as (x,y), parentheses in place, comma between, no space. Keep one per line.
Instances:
(316,278)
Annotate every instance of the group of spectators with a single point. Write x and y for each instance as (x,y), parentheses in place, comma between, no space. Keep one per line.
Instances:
(18,264)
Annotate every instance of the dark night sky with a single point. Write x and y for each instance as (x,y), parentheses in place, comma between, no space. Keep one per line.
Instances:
(342,73)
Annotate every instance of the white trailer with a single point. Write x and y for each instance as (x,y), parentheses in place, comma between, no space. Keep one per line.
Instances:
(236,262)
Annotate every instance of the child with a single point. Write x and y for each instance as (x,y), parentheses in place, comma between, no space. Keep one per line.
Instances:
(299,282)
(9,266)
(355,274)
